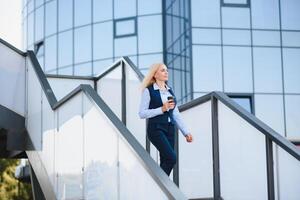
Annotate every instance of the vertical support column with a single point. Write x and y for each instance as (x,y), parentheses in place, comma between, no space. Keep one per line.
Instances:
(123,93)
(176,167)
(270,168)
(215,145)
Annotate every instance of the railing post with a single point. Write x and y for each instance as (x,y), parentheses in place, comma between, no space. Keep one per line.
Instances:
(270,168)
(215,146)
(123,93)
(176,167)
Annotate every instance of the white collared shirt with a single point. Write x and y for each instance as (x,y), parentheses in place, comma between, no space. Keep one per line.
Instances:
(145,112)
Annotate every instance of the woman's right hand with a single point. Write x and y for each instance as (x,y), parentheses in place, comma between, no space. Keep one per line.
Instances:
(168,105)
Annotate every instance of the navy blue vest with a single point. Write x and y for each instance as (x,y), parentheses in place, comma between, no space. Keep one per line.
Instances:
(155,102)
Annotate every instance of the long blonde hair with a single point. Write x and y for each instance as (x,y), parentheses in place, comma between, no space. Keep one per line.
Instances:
(149,78)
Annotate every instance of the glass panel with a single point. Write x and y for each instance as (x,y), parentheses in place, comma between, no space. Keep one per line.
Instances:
(206,36)
(30,5)
(146,25)
(207,71)
(125,46)
(112,82)
(291,63)
(237,60)
(65,47)
(287,176)
(292,113)
(39,24)
(102,10)
(103,40)
(101,155)
(145,61)
(66,70)
(236,37)
(235,1)
(83,69)
(100,66)
(203,10)
(267,70)
(290,15)
(244,102)
(269,109)
(120,12)
(196,175)
(235,17)
(50,53)
(149,7)
(83,44)
(267,38)
(265,14)
(242,155)
(30,30)
(125,27)
(82,11)
(51,20)
(38,3)
(291,39)
(70,145)
(65,13)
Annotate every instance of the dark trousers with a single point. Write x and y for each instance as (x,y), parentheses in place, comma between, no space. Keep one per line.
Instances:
(162,137)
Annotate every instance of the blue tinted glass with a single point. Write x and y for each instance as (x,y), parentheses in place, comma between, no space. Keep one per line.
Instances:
(291,63)
(39,23)
(102,10)
(268,38)
(30,30)
(66,70)
(83,45)
(236,37)
(146,25)
(65,48)
(290,15)
(82,12)
(291,39)
(51,22)
(50,53)
(65,14)
(149,7)
(38,3)
(83,69)
(103,40)
(206,36)
(145,61)
(125,46)
(237,60)
(30,6)
(244,102)
(235,17)
(101,65)
(241,2)
(204,10)
(124,8)
(292,103)
(265,14)
(125,27)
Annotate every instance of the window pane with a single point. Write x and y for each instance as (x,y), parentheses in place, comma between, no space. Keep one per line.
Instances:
(267,69)
(292,109)
(268,38)
(65,48)
(83,69)
(103,40)
(51,24)
(203,10)
(149,7)
(125,46)
(102,10)
(269,109)
(146,25)
(235,17)
(237,60)
(265,14)
(38,3)
(30,30)
(65,12)
(101,65)
(291,63)
(236,37)
(235,1)
(50,53)
(124,8)
(39,23)
(125,27)
(145,61)
(83,45)
(30,6)
(244,102)
(66,70)
(290,15)
(207,70)
(291,39)
(206,36)
(82,12)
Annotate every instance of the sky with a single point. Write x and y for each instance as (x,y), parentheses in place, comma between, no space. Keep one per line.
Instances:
(11,22)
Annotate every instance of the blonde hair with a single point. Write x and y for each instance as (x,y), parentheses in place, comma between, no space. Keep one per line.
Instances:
(149,78)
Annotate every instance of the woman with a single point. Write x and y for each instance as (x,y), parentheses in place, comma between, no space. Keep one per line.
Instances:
(163,114)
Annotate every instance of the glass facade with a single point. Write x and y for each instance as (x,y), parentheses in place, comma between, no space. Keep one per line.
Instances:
(235,46)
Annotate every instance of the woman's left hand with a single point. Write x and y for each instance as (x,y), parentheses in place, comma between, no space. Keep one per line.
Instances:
(189,137)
